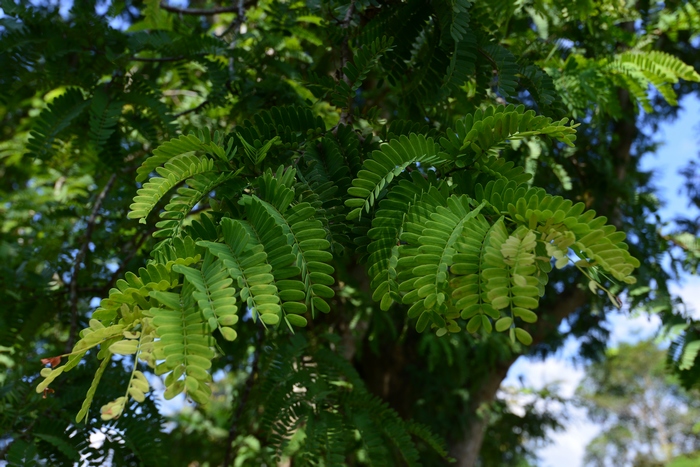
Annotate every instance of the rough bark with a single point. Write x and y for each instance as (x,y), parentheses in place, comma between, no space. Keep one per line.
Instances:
(387,373)
(466,450)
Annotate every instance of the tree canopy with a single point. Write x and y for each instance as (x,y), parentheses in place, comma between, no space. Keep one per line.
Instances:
(327,227)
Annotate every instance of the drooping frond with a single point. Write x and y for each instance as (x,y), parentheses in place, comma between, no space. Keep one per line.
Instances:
(87,402)
(355,72)
(469,288)
(104,113)
(387,228)
(640,69)
(379,170)
(690,352)
(175,171)
(215,297)
(504,64)
(462,62)
(540,85)
(483,133)
(53,120)
(185,345)
(304,234)
(247,264)
(432,239)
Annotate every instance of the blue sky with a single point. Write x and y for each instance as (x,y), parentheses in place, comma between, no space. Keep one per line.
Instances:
(680,139)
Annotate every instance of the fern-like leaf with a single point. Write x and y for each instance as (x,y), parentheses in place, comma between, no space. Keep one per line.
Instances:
(429,255)
(485,132)
(364,58)
(247,263)
(386,231)
(504,63)
(379,170)
(215,297)
(104,114)
(175,171)
(185,345)
(53,120)
(690,352)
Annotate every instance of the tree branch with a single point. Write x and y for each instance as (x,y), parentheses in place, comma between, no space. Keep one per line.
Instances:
(79,259)
(228,456)
(194,109)
(346,113)
(201,11)
(236,23)
(158,59)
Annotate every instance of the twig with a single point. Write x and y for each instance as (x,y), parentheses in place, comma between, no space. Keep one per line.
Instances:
(159,59)
(194,109)
(236,23)
(242,401)
(235,26)
(79,259)
(200,11)
(346,113)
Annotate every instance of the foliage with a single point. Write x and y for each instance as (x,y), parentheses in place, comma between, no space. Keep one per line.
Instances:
(309,207)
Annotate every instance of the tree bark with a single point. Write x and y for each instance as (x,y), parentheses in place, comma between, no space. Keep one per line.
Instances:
(466,450)
(387,374)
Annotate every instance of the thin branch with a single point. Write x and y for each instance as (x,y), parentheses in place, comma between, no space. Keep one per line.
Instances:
(79,259)
(194,109)
(346,113)
(200,11)
(233,431)
(236,23)
(159,59)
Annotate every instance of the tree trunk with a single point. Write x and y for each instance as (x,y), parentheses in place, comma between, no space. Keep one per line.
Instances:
(466,450)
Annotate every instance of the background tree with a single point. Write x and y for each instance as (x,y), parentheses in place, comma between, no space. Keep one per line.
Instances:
(648,418)
(93,99)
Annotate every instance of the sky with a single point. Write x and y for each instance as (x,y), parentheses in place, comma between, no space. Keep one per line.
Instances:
(680,139)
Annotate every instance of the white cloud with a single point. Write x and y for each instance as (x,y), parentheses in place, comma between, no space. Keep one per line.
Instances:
(690,293)
(568,447)
(632,328)
(538,374)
